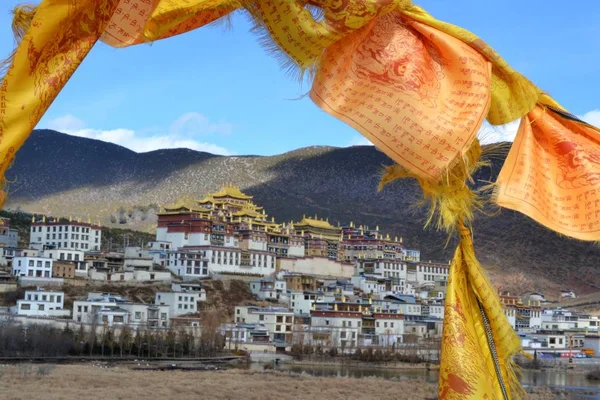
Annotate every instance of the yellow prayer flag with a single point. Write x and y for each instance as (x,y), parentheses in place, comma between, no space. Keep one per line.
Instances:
(60,35)
(478,342)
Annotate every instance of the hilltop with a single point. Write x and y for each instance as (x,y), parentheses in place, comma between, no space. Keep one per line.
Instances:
(64,175)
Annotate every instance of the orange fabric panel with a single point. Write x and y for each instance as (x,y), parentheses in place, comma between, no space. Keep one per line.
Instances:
(552,173)
(420,95)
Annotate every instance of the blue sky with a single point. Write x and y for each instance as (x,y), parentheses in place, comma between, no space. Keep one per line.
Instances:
(217,90)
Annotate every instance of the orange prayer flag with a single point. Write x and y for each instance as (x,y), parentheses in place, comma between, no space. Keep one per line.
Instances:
(552,173)
(418,94)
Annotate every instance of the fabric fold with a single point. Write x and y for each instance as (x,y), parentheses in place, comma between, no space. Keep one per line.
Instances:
(552,173)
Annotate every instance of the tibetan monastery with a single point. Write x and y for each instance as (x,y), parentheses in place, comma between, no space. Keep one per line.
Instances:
(229,218)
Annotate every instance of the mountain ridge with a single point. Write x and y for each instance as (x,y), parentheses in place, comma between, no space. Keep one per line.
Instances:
(64,175)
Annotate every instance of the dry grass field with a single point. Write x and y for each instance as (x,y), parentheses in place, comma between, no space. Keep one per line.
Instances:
(74,382)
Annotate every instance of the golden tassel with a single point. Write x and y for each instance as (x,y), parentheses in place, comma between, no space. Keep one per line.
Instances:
(22,17)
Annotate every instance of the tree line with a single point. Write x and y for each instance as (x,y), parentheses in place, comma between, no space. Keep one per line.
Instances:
(49,341)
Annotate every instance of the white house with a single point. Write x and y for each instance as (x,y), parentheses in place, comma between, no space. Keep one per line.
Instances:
(269,289)
(189,287)
(335,328)
(65,235)
(137,258)
(74,256)
(147,315)
(159,252)
(39,267)
(179,303)
(278,321)
(42,303)
(303,302)
(110,309)
(389,328)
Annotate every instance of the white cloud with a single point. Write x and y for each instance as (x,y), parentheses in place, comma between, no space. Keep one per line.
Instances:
(66,123)
(592,117)
(359,140)
(182,132)
(194,123)
(498,133)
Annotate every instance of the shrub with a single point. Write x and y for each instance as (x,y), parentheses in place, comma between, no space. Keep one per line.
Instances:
(25,370)
(44,370)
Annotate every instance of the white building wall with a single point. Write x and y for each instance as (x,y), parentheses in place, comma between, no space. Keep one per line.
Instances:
(277,321)
(140,314)
(64,254)
(296,251)
(40,267)
(389,331)
(42,303)
(317,266)
(179,303)
(66,236)
(85,311)
(340,329)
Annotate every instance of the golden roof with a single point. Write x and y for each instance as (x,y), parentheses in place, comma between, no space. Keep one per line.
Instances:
(207,199)
(231,191)
(182,203)
(247,212)
(315,223)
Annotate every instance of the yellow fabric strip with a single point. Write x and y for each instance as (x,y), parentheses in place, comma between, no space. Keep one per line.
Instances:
(467,370)
(60,36)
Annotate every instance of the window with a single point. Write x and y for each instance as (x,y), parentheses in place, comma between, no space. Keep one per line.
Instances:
(44,297)
(31,263)
(138,315)
(261,317)
(41,307)
(163,316)
(25,306)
